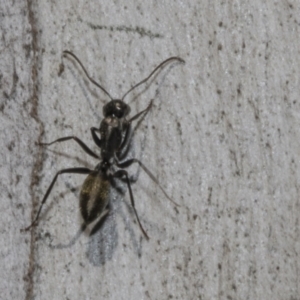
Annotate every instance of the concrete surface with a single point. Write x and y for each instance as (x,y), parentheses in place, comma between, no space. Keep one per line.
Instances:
(222,138)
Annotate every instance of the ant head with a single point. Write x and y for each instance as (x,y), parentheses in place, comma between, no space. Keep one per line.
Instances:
(116,108)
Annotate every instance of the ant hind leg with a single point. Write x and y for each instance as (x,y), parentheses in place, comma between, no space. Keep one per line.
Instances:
(123,173)
(71,170)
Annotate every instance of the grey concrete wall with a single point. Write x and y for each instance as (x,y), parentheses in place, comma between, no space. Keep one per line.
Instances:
(222,139)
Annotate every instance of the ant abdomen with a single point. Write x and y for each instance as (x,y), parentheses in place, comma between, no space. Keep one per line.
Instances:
(94,197)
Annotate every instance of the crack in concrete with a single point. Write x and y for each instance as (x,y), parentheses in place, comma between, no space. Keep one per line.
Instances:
(34,99)
(128,29)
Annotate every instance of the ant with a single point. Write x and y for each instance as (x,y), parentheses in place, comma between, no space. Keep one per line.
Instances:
(114,143)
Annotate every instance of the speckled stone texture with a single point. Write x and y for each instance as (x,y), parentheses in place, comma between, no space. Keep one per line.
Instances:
(222,138)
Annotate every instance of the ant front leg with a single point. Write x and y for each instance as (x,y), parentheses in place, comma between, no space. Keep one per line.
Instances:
(76,139)
(126,141)
(95,137)
(123,173)
(141,112)
(71,170)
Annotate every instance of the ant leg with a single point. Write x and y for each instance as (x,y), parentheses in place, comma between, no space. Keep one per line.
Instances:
(95,137)
(76,139)
(131,161)
(141,112)
(71,170)
(122,173)
(126,140)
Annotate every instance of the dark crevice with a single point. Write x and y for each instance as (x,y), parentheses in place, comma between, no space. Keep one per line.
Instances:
(33,99)
(128,29)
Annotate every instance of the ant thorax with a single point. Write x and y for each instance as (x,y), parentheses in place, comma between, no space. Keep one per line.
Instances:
(112,132)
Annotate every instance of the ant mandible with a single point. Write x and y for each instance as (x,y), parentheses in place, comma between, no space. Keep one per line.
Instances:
(114,141)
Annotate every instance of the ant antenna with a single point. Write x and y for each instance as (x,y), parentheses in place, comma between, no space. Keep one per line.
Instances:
(86,73)
(158,67)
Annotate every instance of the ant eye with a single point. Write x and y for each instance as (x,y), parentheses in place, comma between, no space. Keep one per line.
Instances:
(119,112)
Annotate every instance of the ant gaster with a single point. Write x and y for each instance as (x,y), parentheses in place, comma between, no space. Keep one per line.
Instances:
(114,141)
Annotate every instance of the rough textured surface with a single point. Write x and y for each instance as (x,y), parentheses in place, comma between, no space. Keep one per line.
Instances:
(222,138)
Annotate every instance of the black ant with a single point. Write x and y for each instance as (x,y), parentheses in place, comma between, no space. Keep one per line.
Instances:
(114,142)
